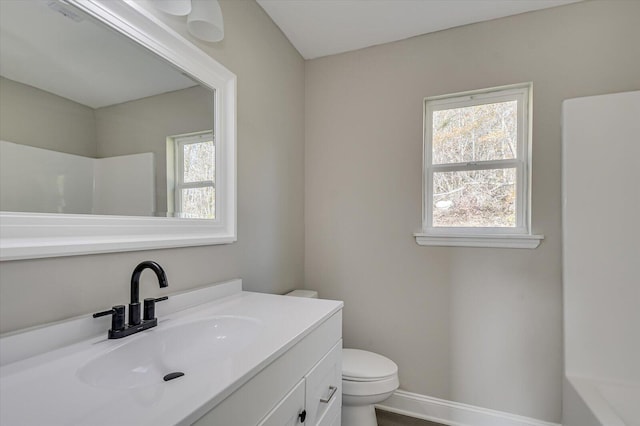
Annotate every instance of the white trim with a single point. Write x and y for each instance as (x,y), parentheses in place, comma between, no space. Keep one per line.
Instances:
(30,235)
(518,236)
(489,241)
(476,94)
(452,413)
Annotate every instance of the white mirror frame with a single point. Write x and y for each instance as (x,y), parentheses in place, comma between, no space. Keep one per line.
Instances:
(38,235)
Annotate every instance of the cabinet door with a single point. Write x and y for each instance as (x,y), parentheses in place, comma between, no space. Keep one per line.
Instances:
(324,387)
(288,410)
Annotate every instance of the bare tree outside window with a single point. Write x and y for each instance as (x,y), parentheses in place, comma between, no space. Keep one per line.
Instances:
(468,135)
(476,157)
(195,193)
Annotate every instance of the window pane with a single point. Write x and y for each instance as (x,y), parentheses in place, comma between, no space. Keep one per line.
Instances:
(199,203)
(199,162)
(481,198)
(475,133)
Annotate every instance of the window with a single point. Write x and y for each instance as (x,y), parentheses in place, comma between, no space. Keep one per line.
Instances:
(476,169)
(193,182)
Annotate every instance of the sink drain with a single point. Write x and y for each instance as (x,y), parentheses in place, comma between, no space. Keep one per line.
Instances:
(173,375)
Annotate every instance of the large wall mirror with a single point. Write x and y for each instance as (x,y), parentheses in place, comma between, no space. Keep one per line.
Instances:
(115,132)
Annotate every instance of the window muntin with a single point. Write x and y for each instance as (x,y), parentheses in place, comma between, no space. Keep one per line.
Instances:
(194,188)
(477,163)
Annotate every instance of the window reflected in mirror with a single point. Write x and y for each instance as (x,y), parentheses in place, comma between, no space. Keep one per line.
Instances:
(191,184)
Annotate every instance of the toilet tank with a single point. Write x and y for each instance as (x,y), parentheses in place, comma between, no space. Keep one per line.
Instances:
(303,293)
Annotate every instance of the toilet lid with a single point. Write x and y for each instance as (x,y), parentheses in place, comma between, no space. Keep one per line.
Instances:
(364,366)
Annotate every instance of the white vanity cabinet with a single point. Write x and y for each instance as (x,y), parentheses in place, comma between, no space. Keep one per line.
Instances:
(316,398)
(304,382)
(248,359)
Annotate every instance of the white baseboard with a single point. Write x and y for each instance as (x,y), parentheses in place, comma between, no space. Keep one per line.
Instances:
(452,413)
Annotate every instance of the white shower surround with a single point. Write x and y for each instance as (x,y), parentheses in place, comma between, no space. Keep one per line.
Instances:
(601,201)
(43,181)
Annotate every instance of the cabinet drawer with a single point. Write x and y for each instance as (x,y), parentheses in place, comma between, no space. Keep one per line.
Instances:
(324,386)
(287,411)
(332,415)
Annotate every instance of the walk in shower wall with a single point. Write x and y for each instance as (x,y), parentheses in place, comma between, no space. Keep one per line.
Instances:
(44,181)
(601,259)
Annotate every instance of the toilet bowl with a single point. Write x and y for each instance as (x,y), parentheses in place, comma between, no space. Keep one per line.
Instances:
(367,379)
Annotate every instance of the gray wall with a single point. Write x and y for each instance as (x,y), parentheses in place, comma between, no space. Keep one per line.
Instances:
(474,325)
(143,126)
(31,116)
(268,255)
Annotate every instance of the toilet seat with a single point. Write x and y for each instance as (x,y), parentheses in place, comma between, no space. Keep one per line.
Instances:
(378,387)
(365,366)
(366,373)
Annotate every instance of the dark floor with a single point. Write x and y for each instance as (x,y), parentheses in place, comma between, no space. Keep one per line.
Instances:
(385,418)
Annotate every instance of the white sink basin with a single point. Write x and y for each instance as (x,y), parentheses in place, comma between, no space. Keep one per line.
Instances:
(219,336)
(147,358)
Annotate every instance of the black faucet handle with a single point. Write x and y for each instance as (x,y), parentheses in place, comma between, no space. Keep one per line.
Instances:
(117,317)
(150,307)
(103,313)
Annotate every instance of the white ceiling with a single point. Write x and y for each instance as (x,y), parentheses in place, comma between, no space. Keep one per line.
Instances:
(78,59)
(326,27)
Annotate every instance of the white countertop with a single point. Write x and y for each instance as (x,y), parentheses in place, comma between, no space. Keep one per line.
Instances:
(45,389)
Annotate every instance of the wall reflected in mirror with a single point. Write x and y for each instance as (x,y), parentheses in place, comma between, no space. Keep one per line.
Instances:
(92,123)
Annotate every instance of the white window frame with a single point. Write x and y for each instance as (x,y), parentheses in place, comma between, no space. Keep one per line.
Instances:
(178,145)
(518,236)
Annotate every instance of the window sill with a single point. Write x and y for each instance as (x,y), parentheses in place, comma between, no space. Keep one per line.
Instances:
(494,241)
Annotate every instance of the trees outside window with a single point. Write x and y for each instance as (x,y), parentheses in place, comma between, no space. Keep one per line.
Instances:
(195,171)
(477,163)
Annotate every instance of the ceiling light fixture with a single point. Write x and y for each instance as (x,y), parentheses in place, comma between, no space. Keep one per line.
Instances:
(173,7)
(204,19)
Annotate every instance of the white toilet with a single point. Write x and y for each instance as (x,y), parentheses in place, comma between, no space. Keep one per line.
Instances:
(367,379)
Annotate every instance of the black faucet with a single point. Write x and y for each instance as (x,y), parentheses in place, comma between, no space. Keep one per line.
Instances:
(118,327)
(134,306)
